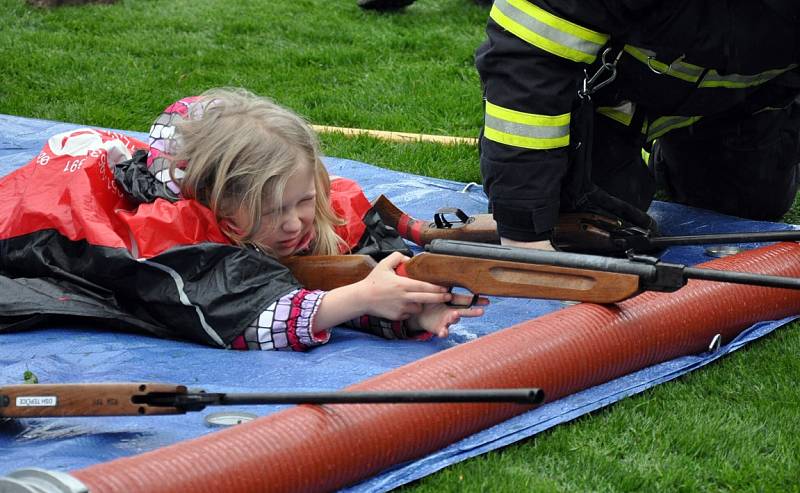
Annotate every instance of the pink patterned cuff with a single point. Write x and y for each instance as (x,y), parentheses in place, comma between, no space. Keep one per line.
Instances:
(286,324)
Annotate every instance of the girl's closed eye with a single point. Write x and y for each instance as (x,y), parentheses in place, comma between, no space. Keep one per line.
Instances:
(304,201)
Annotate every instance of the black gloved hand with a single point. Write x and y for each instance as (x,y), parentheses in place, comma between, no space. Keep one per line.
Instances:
(604,224)
(380,240)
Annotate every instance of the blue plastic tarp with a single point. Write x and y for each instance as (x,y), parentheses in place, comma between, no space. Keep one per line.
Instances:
(76,354)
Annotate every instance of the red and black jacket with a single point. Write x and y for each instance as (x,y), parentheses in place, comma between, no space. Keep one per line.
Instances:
(76,244)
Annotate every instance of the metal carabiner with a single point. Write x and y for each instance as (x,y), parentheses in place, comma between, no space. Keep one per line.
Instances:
(589,83)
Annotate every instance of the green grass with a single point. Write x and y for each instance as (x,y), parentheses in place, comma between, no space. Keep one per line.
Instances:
(732,426)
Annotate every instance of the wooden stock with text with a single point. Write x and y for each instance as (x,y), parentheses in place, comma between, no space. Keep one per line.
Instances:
(85,399)
(479,276)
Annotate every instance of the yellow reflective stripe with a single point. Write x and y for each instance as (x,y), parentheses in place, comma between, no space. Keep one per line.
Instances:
(526,130)
(691,73)
(622,113)
(738,81)
(662,125)
(524,142)
(547,31)
(526,118)
(678,69)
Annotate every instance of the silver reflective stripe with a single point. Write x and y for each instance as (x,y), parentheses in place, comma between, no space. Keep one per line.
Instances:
(692,73)
(662,125)
(623,113)
(547,31)
(735,81)
(678,68)
(532,131)
(185,299)
(526,130)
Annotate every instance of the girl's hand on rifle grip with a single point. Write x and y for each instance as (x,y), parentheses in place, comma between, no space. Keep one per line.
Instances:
(391,296)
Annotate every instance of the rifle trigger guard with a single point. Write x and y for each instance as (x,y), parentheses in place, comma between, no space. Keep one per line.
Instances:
(441,221)
(471,303)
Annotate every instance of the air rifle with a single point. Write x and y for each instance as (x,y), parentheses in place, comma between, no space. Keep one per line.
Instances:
(577,231)
(134,399)
(496,270)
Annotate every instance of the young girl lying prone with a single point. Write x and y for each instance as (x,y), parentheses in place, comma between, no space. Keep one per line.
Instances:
(183,238)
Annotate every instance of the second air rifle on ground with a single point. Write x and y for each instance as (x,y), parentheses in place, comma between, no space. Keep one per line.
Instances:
(139,398)
(576,231)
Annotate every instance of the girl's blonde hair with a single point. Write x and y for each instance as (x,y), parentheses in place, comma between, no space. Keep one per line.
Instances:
(240,153)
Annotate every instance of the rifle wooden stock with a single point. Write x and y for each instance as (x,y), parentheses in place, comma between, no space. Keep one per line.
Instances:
(479,276)
(85,399)
(480,228)
(327,272)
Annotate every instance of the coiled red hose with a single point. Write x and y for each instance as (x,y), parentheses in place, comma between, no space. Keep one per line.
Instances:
(322,448)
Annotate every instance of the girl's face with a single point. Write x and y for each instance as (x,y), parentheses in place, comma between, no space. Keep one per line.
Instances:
(291,229)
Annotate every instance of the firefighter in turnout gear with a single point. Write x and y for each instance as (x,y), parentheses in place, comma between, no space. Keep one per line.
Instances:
(574,90)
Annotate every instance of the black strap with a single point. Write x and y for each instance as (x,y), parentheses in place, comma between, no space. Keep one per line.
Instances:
(380,240)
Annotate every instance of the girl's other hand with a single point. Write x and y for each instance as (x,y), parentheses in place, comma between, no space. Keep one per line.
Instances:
(437,318)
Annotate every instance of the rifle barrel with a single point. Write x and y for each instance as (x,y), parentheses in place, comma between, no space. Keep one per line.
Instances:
(654,275)
(542,257)
(717,238)
(518,396)
(742,278)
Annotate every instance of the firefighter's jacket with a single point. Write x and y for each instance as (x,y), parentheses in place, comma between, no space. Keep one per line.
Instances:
(675,62)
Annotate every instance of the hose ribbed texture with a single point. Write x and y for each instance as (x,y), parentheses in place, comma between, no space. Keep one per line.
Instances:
(322,448)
